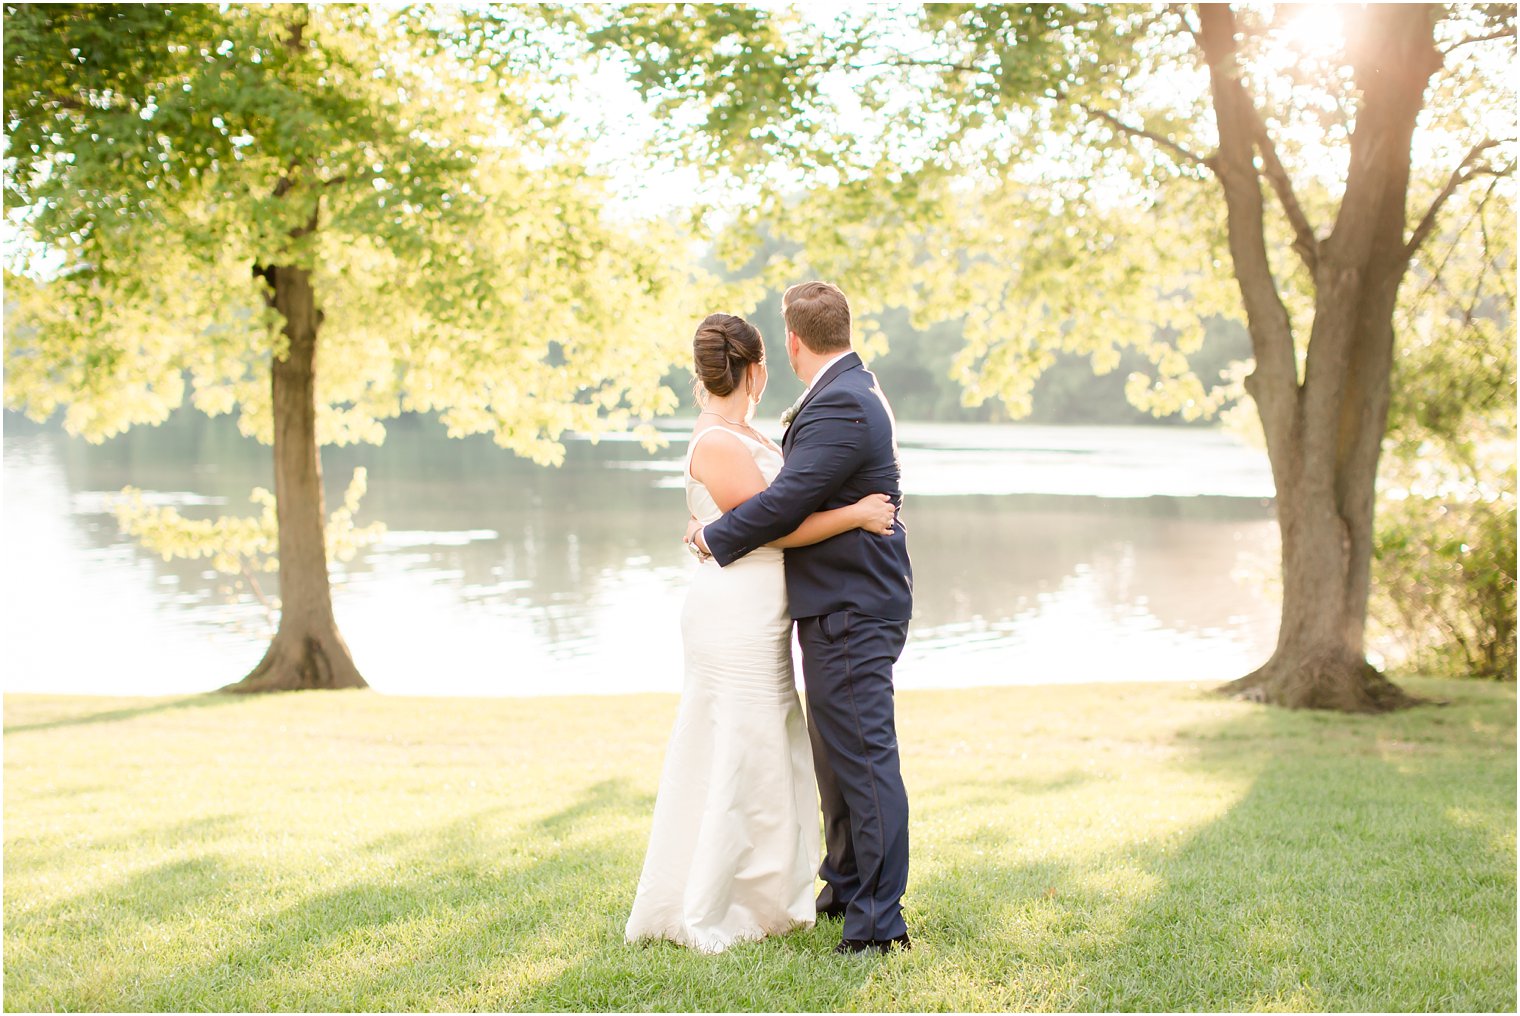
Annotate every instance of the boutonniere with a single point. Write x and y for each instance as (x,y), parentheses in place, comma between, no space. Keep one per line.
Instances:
(791,411)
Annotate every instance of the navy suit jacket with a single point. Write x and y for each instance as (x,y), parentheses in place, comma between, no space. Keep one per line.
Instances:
(841,446)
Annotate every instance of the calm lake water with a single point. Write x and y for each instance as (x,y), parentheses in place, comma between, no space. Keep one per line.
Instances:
(1041,555)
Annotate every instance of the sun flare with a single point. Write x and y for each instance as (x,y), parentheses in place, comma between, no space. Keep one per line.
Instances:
(1314,29)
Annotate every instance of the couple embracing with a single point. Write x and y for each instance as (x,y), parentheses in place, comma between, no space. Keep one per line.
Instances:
(807,532)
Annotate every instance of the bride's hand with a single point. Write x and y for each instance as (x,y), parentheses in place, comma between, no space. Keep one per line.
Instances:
(877,514)
(692,526)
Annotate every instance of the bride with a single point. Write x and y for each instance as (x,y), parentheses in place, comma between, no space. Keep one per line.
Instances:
(734,845)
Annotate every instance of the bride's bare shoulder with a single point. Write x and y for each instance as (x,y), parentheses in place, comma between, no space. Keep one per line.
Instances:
(711,460)
(699,432)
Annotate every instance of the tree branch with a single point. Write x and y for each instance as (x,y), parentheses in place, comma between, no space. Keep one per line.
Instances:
(1465,171)
(1274,382)
(1139,132)
(948,65)
(65,101)
(1487,37)
(1436,275)
(1304,241)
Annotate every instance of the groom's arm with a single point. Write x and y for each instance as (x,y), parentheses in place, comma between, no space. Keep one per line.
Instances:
(826,449)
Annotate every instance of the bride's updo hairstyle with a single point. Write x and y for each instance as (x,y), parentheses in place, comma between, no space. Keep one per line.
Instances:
(722,350)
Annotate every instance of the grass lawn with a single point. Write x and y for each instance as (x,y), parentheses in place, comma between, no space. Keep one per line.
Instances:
(1100,847)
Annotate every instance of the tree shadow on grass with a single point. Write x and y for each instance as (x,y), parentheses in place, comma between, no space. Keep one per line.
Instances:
(474,914)
(1361,869)
(601,797)
(472,921)
(121,920)
(463,918)
(190,830)
(789,973)
(56,857)
(995,793)
(153,893)
(116,715)
(1363,865)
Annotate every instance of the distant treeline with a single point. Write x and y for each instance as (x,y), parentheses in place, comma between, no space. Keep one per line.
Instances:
(915,374)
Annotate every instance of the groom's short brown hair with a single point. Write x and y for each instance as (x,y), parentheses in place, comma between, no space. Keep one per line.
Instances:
(819,314)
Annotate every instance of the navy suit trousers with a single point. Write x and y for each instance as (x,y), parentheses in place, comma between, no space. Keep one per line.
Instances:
(847,660)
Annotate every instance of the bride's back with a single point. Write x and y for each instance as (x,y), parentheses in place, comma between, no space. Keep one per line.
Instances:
(699,500)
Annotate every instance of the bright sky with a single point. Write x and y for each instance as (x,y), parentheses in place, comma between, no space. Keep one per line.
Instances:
(1306,37)
(607,109)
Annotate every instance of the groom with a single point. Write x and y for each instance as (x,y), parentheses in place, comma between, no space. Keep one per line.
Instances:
(851,597)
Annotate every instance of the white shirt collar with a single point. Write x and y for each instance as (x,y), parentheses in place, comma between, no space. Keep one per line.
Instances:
(824,369)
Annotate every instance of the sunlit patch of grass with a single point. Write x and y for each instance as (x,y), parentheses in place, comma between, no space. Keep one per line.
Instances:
(1102,847)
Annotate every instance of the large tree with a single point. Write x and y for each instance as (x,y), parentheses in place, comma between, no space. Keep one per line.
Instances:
(1085,178)
(319,217)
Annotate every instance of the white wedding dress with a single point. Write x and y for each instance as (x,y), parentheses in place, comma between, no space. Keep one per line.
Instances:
(734,845)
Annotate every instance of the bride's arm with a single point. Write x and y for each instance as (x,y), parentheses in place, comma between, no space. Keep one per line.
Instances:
(874,512)
(729,473)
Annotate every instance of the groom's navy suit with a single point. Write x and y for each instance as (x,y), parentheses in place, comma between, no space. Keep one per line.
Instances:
(851,596)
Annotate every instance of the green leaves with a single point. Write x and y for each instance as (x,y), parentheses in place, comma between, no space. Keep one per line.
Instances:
(1444,596)
(461,258)
(1444,601)
(1037,173)
(748,72)
(240,545)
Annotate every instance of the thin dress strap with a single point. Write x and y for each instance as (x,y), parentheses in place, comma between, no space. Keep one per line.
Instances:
(691,448)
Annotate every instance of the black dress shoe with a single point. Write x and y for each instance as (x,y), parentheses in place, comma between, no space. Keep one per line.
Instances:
(850,946)
(833,910)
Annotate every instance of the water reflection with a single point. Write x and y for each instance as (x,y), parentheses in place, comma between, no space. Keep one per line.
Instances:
(498,577)
(1048,588)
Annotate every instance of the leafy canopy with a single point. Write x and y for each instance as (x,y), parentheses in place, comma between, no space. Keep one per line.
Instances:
(157,155)
(1038,173)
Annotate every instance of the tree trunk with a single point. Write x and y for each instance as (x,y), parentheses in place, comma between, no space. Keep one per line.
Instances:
(307,651)
(1319,661)
(1324,435)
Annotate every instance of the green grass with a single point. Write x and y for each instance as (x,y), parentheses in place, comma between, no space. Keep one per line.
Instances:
(1125,847)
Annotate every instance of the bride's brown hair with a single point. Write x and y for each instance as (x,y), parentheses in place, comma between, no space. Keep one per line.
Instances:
(722,350)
